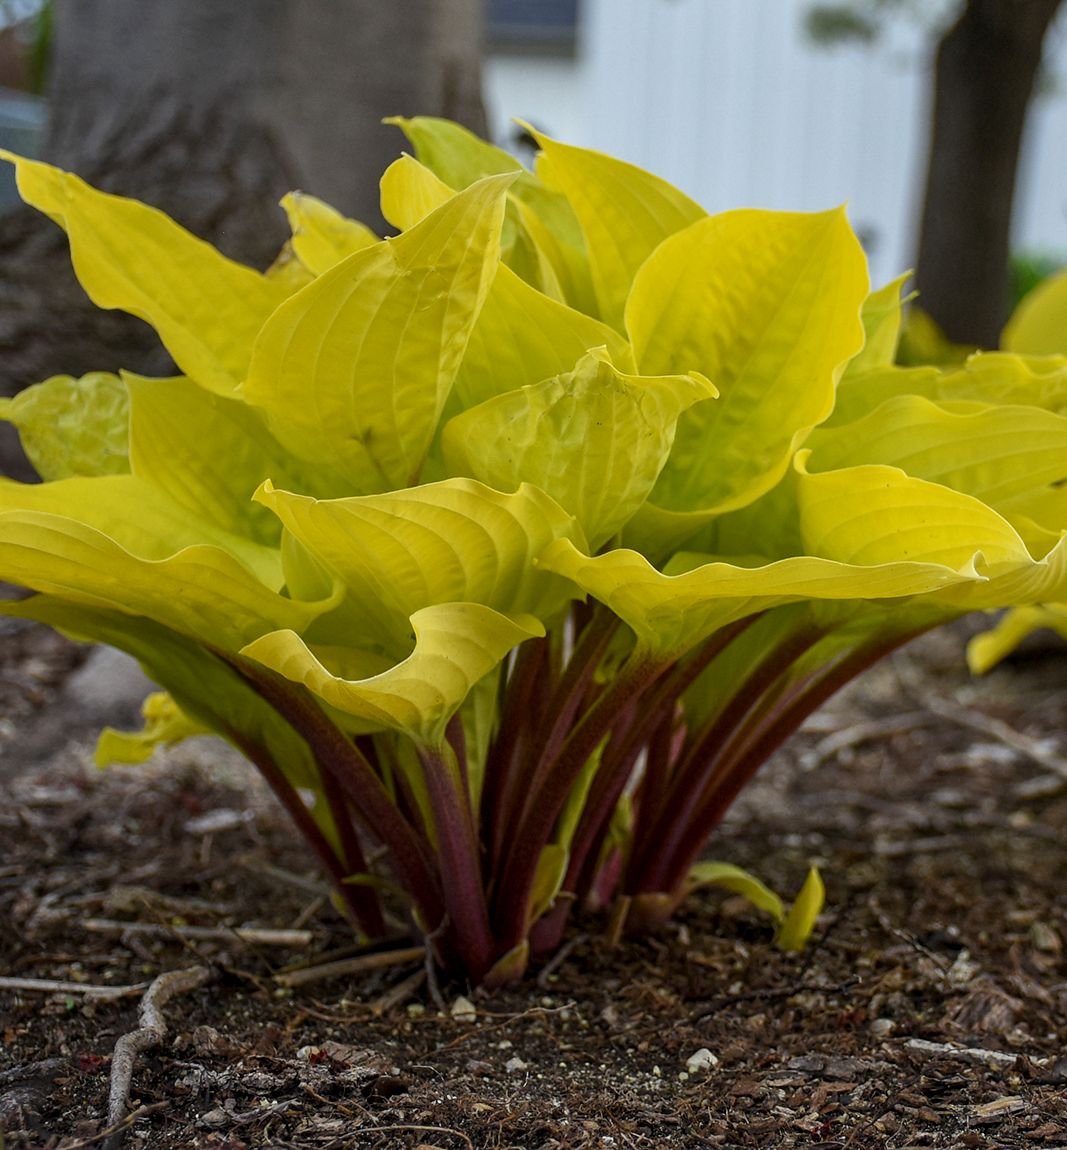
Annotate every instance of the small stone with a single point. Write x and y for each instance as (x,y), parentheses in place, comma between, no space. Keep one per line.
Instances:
(415,1010)
(882,1027)
(515,1065)
(310,1053)
(214,1119)
(1045,938)
(702,1060)
(463,1010)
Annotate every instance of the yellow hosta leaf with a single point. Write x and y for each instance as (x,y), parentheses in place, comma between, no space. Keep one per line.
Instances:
(164,725)
(73,426)
(767,306)
(738,881)
(882,315)
(209,454)
(456,644)
(672,613)
(986,650)
(1003,455)
(798,924)
(625,213)
(1038,325)
(410,191)
(322,236)
(454,541)
(206,308)
(353,372)
(523,337)
(594,439)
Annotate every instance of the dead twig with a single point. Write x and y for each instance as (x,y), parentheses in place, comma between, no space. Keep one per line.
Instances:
(50,986)
(345,966)
(150,1033)
(122,1127)
(558,959)
(399,994)
(254,936)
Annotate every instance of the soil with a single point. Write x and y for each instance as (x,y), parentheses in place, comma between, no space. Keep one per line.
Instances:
(930,1009)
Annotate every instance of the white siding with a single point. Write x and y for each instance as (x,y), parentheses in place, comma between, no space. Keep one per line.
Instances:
(729,100)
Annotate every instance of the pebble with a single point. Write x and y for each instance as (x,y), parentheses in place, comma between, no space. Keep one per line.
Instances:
(514,1065)
(703,1059)
(882,1027)
(463,1010)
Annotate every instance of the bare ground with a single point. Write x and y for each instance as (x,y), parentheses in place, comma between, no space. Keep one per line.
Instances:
(930,1011)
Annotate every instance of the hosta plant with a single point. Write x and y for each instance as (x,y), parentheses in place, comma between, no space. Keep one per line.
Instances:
(509,547)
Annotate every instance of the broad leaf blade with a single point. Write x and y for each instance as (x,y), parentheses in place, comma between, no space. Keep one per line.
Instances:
(73,426)
(206,308)
(454,541)
(383,332)
(523,337)
(670,614)
(456,644)
(594,439)
(1038,325)
(322,237)
(624,212)
(767,305)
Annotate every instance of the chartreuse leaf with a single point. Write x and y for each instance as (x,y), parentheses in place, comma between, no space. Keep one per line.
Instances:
(73,426)
(116,542)
(354,370)
(205,308)
(881,314)
(1003,455)
(523,337)
(1037,326)
(737,881)
(767,305)
(874,514)
(453,541)
(322,236)
(594,439)
(796,928)
(624,212)
(456,644)
(457,158)
(410,191)
(165,724)
(985,651)
(209,454)
(672,613)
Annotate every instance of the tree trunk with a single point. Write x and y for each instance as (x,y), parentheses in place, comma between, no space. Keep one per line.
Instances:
(212,110)
(987,64)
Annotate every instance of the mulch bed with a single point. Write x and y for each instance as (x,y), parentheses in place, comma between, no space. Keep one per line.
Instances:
(930,1011)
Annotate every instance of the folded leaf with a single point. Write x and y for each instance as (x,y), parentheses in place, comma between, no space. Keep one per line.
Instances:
(1003,455)
(881,314)
(624,211)
(456,644)
(986,650)
(454,541)
(354,370)
(798,924)
(73,426)
(594,439)
(410,191)
(523,337)
(206,308)
(164,725)
(1037,325)
(767,305)
(738,881)
(670,614)
(322,236)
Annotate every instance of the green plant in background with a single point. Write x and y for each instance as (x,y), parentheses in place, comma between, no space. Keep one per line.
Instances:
(509,547)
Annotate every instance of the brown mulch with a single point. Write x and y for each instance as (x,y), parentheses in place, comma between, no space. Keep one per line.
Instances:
(930,1011)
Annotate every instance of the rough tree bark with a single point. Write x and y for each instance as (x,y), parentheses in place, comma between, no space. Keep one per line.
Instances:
(987,65)
(212,110)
